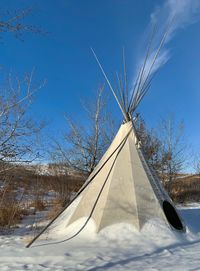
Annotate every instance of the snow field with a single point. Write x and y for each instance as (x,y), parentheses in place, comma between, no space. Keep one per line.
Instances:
(119,247)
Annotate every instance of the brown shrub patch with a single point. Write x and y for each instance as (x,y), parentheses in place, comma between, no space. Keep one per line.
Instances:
(10,215)
(38,205)
(57,206)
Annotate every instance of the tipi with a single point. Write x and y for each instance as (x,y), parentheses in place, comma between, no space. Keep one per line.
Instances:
(122,188)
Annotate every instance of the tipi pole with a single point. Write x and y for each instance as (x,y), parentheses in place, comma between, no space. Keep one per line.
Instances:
(110,86)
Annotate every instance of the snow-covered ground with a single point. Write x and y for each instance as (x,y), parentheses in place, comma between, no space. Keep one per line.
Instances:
(118,247)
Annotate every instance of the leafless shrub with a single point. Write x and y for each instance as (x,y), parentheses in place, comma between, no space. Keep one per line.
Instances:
(38,204)
(10,209)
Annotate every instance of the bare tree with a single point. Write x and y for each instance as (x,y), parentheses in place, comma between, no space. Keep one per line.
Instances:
(173,148)
(196,165)
(18,138)
(18,130)
(86,145)
(151,144)
(165,150)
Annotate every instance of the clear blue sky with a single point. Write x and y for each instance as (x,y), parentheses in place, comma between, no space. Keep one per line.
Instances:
(64,58)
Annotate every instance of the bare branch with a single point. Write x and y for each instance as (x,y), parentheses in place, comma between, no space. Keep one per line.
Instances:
(14,23)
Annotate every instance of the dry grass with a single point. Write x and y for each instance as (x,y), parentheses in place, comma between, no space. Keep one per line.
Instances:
(38,205)
(21,185)
(11,215)
(55,208)
(186,189)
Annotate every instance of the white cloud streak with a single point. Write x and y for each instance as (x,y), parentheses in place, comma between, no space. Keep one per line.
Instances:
(182,13)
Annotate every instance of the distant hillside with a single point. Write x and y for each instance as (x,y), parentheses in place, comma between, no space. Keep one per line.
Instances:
(53,170)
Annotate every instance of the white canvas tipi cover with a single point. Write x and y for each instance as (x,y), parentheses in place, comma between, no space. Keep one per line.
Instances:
(122,188)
